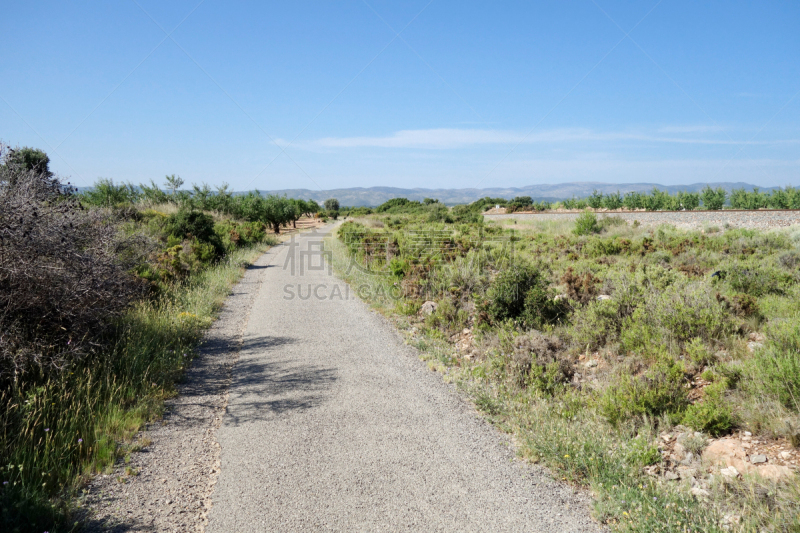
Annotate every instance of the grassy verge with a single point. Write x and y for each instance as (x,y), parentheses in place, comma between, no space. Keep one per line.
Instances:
(69,428)
(591,388)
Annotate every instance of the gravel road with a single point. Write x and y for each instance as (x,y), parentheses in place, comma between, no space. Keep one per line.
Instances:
(178,468)
(333,423)
(763,219)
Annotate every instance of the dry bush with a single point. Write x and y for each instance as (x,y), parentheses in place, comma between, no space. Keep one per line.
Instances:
(63,274)
(580,288)
(537,361)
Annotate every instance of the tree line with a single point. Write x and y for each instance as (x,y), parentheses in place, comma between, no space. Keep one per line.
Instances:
(271,209)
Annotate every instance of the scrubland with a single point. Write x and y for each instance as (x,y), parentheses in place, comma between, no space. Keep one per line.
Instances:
(595,343)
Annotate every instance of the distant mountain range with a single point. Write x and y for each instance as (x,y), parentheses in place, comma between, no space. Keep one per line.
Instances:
(374,196)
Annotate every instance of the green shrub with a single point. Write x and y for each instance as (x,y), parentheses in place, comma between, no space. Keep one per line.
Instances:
(106,193)
(398,267)
(713,413)
(194,225)
(641,452)
(599,247)
(237,234)
(595,324)
(660,390)
(682,311)
(448,317)
(775,369)
(521,291)
(586,224)
(506,295)
(757,280)
(541,308)
(790,260)
(698,354)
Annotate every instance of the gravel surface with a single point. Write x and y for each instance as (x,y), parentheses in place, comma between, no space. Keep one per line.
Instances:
(178,470)
(682,219)
(333,423)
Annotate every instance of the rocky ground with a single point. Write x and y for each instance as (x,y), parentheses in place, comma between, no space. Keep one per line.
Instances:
(762,219)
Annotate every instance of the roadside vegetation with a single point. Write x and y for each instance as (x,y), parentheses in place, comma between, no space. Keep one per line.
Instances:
(614,353)
(104,296)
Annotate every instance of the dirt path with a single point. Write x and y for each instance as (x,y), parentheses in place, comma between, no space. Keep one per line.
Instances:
(333,423)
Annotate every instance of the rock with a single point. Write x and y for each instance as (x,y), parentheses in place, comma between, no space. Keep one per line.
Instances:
(560,297)
(760,458)
(748,434)
(651,470)
(604,297)
(699,493)
(466,331)
(428,308)
(753,346)
(679,451)
(732,518)
(718,451)
(728,452)
(775,472)
(591,363)
(729,472)
(786,456)
(671,476)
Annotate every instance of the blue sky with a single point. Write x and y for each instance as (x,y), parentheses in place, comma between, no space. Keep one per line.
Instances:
(438,93)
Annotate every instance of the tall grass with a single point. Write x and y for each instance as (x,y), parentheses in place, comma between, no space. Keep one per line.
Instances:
(55,435)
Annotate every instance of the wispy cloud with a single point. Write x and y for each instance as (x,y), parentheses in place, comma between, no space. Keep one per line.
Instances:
(691,128)
(453,138)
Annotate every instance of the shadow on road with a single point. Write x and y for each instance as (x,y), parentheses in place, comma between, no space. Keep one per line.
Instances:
(264,390)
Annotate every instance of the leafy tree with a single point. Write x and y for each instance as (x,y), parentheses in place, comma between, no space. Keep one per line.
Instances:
(272,210)
(313,208)
(713,198)
(294,210)
(28,159)
(633,200)
(612,200)
(152,193)
(173,183)
(596,199)
(689,200)
(332,204)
